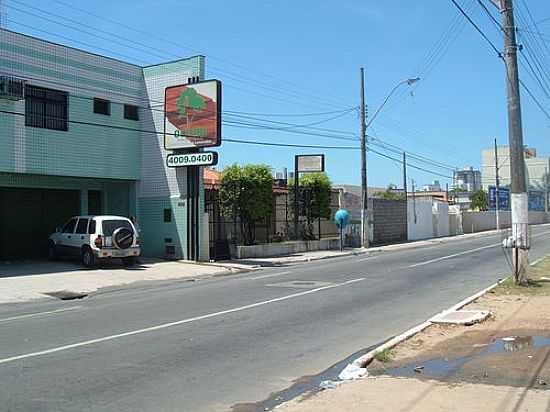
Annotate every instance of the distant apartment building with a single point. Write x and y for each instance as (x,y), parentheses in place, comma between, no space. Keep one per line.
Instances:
(535,167)
(435,186)
(467,180)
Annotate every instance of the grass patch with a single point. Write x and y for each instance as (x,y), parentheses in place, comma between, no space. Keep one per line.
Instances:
(539,282)
(385,356)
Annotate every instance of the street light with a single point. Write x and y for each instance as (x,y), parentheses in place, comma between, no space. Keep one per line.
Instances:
(408,82)
(364,127)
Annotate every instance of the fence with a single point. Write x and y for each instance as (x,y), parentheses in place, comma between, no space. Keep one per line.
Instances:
(226,228)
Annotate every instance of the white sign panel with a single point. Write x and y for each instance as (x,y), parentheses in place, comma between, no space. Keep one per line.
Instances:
(310,163)
(192,159)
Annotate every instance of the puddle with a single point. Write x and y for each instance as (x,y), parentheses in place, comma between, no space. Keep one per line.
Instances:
(442,367)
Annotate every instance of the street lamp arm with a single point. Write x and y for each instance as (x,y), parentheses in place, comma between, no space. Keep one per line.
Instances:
(407,81)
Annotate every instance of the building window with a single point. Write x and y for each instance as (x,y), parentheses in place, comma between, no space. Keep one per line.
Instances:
(167,215)
(46,108)
(131,112)
(102,106)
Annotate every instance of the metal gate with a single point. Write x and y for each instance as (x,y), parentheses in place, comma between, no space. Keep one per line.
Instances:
(218,239)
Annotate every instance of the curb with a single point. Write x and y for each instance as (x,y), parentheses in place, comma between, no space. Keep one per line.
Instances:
(358,367)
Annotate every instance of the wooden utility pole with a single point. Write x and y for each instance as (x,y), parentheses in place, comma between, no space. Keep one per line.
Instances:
(519,198)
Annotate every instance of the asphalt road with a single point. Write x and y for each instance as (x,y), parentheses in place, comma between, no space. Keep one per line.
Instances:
(213,344)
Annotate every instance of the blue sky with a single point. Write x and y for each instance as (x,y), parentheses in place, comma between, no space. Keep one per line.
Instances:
(296,57)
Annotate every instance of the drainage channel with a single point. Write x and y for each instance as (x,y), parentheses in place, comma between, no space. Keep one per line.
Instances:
(306,385)
(66,295)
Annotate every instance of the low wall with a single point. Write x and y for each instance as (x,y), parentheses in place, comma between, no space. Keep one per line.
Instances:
(480,221)
(285,248)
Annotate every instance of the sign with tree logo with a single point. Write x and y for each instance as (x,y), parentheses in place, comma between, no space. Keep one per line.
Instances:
(192,115)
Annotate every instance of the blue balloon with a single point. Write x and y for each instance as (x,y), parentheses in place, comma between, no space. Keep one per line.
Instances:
(341,218)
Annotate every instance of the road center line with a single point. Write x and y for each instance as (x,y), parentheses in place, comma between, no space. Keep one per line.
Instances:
(269,276)
(37,314)
(176,323)
(427,262)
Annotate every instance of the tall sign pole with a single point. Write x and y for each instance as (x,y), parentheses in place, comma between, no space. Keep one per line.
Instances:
(364,190)
(497,183)
(520,216)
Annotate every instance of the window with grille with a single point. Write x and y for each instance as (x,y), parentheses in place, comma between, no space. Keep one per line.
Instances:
(131,112)
(102,106)
(46,108)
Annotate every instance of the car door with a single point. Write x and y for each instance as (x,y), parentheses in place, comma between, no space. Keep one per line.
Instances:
(65,246)
(80,237)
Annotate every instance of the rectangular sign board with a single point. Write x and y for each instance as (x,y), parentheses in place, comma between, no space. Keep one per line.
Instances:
(192,159)
(192,115)
(310,163)
(503,195)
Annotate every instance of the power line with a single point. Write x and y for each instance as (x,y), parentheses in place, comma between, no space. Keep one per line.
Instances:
(237,77)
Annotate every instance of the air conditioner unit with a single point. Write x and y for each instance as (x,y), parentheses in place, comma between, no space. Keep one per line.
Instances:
(12,88)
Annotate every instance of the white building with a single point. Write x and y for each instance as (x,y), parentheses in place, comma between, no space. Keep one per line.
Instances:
(536,167)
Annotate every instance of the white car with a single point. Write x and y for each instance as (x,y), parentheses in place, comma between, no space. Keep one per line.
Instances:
(94,238)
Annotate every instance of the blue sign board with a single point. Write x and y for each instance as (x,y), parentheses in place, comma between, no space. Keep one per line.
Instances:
(536,201)
(503,198)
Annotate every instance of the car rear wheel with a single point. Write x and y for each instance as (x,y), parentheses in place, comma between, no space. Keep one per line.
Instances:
(88,258)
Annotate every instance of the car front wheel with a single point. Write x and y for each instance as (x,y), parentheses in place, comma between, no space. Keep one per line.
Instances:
(52,252)
(88,258)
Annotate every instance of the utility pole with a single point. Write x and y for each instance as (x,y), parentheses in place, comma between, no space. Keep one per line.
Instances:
(546,188)
(364,189)
(520,214)
(414,200)
(405,174)
(497,182)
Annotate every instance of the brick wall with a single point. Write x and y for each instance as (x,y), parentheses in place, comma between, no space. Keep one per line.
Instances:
(389,220)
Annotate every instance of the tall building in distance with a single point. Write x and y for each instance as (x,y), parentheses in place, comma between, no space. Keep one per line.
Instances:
(536,168)
(467,180)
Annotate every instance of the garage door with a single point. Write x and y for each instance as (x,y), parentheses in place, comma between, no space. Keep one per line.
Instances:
(29,216)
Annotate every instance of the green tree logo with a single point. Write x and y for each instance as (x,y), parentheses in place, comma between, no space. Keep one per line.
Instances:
(188,101)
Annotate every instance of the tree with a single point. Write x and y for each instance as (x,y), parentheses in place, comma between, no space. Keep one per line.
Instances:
(479,200)
(315,192)
(390,193)
(189,100)
(246,193)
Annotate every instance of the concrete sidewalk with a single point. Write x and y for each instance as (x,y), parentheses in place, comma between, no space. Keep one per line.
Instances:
(24,281)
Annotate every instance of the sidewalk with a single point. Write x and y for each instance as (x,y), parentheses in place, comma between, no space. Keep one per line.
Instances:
(502,364)
(23,281)
(292,259)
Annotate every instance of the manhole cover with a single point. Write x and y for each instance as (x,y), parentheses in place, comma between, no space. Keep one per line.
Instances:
(301,284)
(66,295)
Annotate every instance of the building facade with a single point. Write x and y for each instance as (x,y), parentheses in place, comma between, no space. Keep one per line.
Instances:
(86,137)
(467,180)
(536,168)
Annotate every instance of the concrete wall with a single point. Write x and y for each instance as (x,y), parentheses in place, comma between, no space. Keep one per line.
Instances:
(440,216)
(480,221)
(284,248)
(389,221)
(420,219)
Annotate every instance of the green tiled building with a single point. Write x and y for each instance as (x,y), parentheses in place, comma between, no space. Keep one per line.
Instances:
(84,135)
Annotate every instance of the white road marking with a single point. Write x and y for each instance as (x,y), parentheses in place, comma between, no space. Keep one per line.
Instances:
(176,323)
(37,314)
(269,276)
(427,262)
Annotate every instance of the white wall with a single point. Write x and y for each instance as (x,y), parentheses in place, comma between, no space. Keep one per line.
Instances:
(440,215)
(480,221)
(419,219)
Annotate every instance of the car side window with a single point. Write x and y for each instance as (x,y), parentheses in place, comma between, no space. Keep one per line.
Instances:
(69,226)
(82,226)
(91,228)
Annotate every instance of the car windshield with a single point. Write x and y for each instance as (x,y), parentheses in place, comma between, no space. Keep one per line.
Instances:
(109,226)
